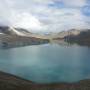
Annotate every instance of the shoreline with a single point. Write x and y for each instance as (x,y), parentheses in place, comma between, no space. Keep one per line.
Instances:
(11,82)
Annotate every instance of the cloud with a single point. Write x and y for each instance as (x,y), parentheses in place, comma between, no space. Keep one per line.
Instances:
(47,15)
(25,20)
(74,3)
(66,19)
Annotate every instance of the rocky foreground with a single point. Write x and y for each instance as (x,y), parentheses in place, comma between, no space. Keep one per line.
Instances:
(11,82)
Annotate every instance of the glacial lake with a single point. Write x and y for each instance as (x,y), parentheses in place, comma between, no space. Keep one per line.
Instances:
(48,63)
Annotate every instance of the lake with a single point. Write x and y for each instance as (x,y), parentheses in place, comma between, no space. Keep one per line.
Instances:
(48,63)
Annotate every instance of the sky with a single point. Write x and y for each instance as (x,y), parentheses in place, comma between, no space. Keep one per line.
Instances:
(45,15)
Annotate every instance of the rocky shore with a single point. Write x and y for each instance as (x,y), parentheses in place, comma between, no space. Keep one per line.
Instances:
(11,82)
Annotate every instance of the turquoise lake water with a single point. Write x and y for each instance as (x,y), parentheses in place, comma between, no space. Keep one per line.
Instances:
(49,63)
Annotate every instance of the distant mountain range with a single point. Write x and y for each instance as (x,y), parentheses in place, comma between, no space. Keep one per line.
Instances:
(72,32)
(16,37)
(81,37)
(19,36)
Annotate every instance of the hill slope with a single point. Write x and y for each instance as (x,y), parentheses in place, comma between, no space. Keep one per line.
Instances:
(16,37)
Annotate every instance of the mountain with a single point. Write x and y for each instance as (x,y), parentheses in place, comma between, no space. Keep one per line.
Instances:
(72,32)
(83,36)
(74,36)
(67,33)
(5,30)
(14,31)
(16,37)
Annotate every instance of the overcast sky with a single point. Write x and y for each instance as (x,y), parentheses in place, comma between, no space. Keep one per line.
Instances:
(45,15)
